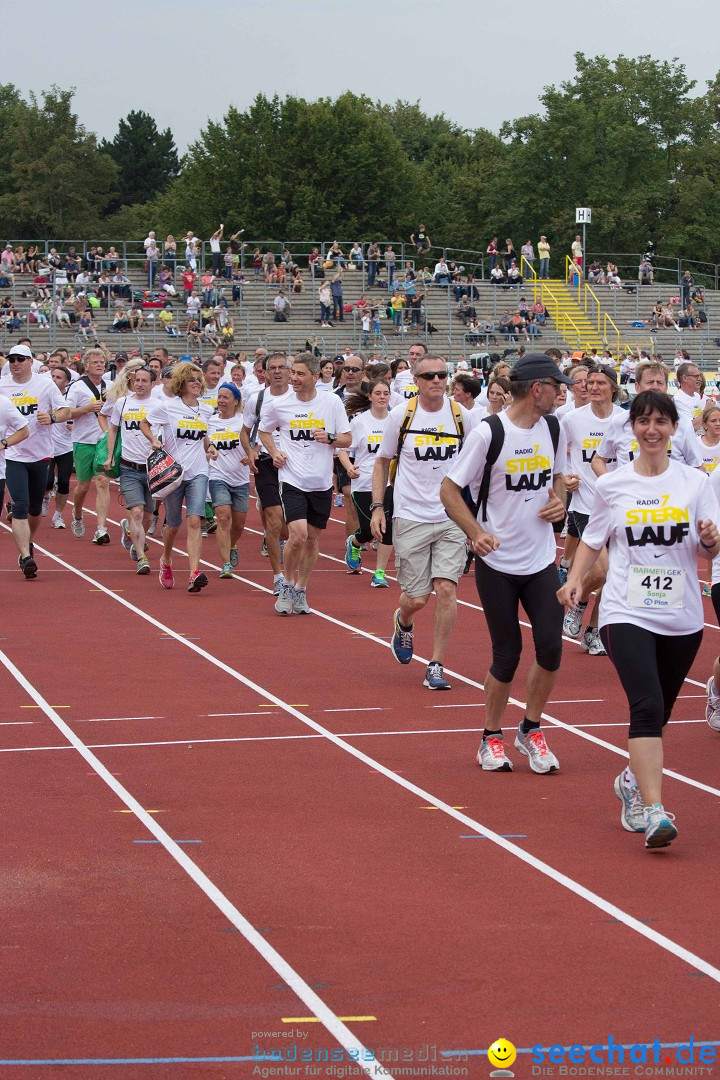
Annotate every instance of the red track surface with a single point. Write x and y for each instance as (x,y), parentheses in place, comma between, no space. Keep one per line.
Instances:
(111,951)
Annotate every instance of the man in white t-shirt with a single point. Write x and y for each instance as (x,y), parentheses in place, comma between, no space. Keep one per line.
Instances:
(404,381)
(215,239)
(512,536)
(429,549)
(39,404)
(311,426)
(85,399)
(687,397)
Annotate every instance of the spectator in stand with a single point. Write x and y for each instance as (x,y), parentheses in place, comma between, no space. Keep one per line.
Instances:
(135,316)
(514,277)
(544,256)
(669,319)
(577,252)
(497,277)
(492,253)
(215,250)
(8,259)
(390,264)
(152,255)
(528,253)
(325,298)
(282,307)
(373,259)
(314,261)
(188,282)
(336,288)
(645,272)
(421,239)
(687,320)
(612,277)
(208,284)
(687,283)
(356,256)
(297,280)
(165,281)
(509,254)
(441,274)
(336,256)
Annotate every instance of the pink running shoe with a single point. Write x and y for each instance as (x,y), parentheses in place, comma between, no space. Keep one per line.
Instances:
(167,578)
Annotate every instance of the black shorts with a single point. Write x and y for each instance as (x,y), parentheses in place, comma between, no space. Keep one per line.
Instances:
(26,482)
(311,506)
(362,500)
(578,521)
(267,484)
(343,480)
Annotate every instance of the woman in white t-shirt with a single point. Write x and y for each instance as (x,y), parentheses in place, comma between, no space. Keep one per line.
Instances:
(327,376)
(368,416)
(658,516)
(229,474)
(710,439)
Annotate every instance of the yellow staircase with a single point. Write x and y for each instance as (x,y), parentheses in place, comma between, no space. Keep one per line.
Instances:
(567,312)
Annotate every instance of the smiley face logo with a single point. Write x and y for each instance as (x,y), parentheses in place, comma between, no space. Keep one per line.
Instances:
(502,1054)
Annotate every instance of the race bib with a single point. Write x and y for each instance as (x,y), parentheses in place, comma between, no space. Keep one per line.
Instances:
(655,587)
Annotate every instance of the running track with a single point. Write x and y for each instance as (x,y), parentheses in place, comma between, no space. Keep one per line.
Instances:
(321,842)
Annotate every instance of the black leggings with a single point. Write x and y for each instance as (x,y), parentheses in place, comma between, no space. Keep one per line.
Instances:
(26,484)
(362,500)
(500,594)
(64,464)
(652,668)
(715,594)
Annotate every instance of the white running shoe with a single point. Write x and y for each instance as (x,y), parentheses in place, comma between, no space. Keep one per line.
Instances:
(591,643)
(631,815)
(46,503)
(300,604)
(125,537)
(659,828)
(572,623)
(57,521)
(491,755)
(278,583)
(535,749)
(77,526)
(102,536)
(284,602)
(712,708)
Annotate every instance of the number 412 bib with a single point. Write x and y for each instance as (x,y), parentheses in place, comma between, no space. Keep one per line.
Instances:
(655,587)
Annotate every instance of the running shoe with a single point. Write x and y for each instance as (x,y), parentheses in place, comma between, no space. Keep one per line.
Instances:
(591,643)
(338,500)
(402,641)
(227,570)
(197,581)
(46,503)
(126,539)
(300,604)
(77,526)
(282,551)
(28,567)
(278,583)
(352,556)
(153,526)
(434,678)
(572,623)
(659,828)
(234,557)
(143,567)
(562,574)
(8,511)
(284,602)
(263,549)
(57,521)
(631,815)
(469,558)
(212,524)
(379,581)
(535,749)
(707,589)
(712,707)
(101,537)
(491,755)
(167,578)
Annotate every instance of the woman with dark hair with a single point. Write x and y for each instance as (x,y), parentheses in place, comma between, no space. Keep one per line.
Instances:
(368,414)
(657,516)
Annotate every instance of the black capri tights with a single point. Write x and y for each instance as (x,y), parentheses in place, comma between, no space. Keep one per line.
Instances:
(64,465)
(500,594)
(362,500)
(652,668)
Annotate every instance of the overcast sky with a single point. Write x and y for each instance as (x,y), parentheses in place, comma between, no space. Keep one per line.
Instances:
(478,61)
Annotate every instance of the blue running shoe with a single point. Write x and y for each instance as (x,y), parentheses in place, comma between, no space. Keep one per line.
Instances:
(562,574)
(125,536)
(659,828)
(379,581)
(402,641)
(434,678)
(352,556)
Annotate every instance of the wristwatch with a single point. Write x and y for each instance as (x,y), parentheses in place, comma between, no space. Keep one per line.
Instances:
(331,436)
(4,443)
(376,506)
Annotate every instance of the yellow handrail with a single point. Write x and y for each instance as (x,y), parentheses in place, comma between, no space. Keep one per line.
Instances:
(527,270)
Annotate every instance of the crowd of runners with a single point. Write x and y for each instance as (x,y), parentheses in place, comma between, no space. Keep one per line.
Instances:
(447,473)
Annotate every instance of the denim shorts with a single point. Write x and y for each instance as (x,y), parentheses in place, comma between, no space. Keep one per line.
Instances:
(235,495)
(134,488)
(194,492)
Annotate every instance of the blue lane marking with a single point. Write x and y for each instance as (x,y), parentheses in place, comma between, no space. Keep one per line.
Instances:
(174,841)
(505,836)
(545,1049)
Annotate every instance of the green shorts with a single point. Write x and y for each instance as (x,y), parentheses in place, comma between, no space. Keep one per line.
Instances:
(83,459)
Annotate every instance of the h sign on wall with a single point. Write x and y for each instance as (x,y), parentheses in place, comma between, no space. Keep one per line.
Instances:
(583,215)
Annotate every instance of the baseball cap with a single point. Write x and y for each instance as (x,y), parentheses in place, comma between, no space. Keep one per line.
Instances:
(21,350)
(121,356)
(537,366)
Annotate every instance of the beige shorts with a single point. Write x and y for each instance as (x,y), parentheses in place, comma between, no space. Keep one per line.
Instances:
(427,551)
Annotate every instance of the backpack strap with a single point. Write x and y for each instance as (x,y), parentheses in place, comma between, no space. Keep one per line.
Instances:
(99,394)
(256,422)
(458,418)
(554,427)
(497,438)
(404,428)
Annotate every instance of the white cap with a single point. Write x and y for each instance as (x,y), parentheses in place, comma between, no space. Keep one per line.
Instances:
(21,350)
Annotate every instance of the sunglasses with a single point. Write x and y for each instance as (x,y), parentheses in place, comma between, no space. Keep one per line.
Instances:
(17,359)
(352,369)
(428,376)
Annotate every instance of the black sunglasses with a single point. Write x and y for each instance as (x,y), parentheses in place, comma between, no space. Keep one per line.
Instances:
(17,359)
(352,369)
(428,376)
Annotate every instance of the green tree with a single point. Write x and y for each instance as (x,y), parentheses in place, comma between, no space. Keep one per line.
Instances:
(146,158)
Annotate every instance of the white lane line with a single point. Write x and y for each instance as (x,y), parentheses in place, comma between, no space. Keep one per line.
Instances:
(17,723)
(380,641)
(575,701)
(373,708)
(288,974)
(109,719)
(542,867)
(257,712)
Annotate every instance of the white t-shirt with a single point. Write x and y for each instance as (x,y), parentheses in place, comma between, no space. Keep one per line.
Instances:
(519,483)
(430,447)
(652,523)
(404,384)
(10,420)
(620,446)
(309,464)
(250,408)
(225,437)
(209,398)
(184,429)
(710,455)
(584,432)
(38,394)
(687,406)
(86,428)
(6,370)
(126,416)
(367,432)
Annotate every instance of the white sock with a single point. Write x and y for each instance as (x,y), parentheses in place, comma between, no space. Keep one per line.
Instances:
(629,777)
(713,686)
